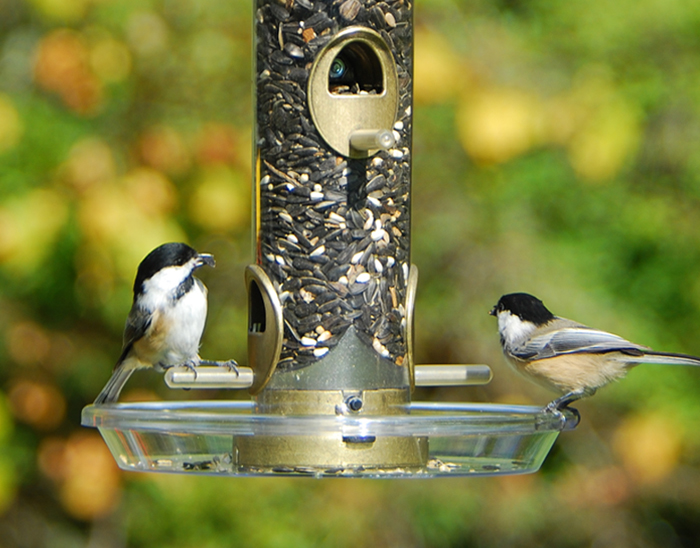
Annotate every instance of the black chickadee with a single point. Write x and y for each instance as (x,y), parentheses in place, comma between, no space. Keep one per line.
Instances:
(167,316)
(565,356)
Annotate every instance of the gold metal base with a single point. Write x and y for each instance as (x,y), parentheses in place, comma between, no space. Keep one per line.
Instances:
(334,450)
(386,401)
(330,452)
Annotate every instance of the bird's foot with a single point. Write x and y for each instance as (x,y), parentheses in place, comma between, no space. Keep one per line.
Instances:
(577,420)
(192,366)
(231,364)
(569,398)
(558,406)
(189,364)
(553,406)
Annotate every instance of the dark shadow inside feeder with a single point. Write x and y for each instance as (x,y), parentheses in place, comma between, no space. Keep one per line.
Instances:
(256,312)
(357,183)
(354,70)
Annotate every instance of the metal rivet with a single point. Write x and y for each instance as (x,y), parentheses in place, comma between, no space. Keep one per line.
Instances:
(354,403)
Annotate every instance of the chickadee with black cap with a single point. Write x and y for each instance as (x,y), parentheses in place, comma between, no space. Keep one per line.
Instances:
(565,356)
(167,317)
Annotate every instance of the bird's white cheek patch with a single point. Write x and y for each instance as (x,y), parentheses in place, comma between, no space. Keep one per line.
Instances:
(158,289)
(512,328)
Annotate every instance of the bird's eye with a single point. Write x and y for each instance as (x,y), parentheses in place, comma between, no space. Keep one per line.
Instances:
(338,68)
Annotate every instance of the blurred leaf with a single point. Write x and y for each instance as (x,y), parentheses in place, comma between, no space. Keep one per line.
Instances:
(29,226)
(11,125)
(220,201)
(439,73)
(650,447)
(62,66)
(62,10)
(5,419)
(496,125)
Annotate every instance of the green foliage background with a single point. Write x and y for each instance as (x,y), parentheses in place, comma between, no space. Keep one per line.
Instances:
(555,152)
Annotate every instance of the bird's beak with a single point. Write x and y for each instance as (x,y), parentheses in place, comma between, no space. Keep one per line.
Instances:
(493,311)
(206,258)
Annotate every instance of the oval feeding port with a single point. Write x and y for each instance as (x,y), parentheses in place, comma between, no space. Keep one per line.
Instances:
(353,93)
(356,70)
(265,327)
(256,311)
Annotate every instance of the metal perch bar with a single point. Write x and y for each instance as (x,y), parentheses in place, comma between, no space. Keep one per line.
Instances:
(221,377)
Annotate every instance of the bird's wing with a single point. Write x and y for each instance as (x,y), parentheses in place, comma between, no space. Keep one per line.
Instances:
(137,323)
(575,340)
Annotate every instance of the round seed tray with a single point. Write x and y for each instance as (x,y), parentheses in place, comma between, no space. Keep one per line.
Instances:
(201,437)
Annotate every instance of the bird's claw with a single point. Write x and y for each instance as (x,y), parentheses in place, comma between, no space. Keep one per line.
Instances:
(558,406)
(231,364)
(192,366)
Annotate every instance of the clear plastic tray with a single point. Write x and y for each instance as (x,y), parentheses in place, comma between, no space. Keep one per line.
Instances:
(201,437)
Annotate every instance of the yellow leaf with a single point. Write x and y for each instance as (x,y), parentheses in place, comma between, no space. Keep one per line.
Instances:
(110,60)
(649,446)
(221,201)
(29,225)
(62,10)
(498,124)
(439,74)
(610,138)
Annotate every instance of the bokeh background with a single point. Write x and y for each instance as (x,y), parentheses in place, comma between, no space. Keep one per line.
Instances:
(556,151)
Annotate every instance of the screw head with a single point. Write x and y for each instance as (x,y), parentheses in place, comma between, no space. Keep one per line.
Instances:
(354,403)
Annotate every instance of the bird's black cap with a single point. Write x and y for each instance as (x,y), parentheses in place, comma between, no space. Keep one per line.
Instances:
(171,254)
(525,306)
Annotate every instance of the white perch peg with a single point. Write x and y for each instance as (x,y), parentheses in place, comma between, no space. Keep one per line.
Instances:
(452,375)
(372,139)
(209,377)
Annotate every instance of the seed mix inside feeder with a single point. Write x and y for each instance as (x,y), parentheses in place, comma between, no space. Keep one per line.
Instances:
(332,290)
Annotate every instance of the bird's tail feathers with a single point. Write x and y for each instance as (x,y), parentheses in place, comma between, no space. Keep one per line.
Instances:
(667,358)
(110,393)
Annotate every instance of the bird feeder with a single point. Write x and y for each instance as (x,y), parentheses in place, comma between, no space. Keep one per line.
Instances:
(332,291)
